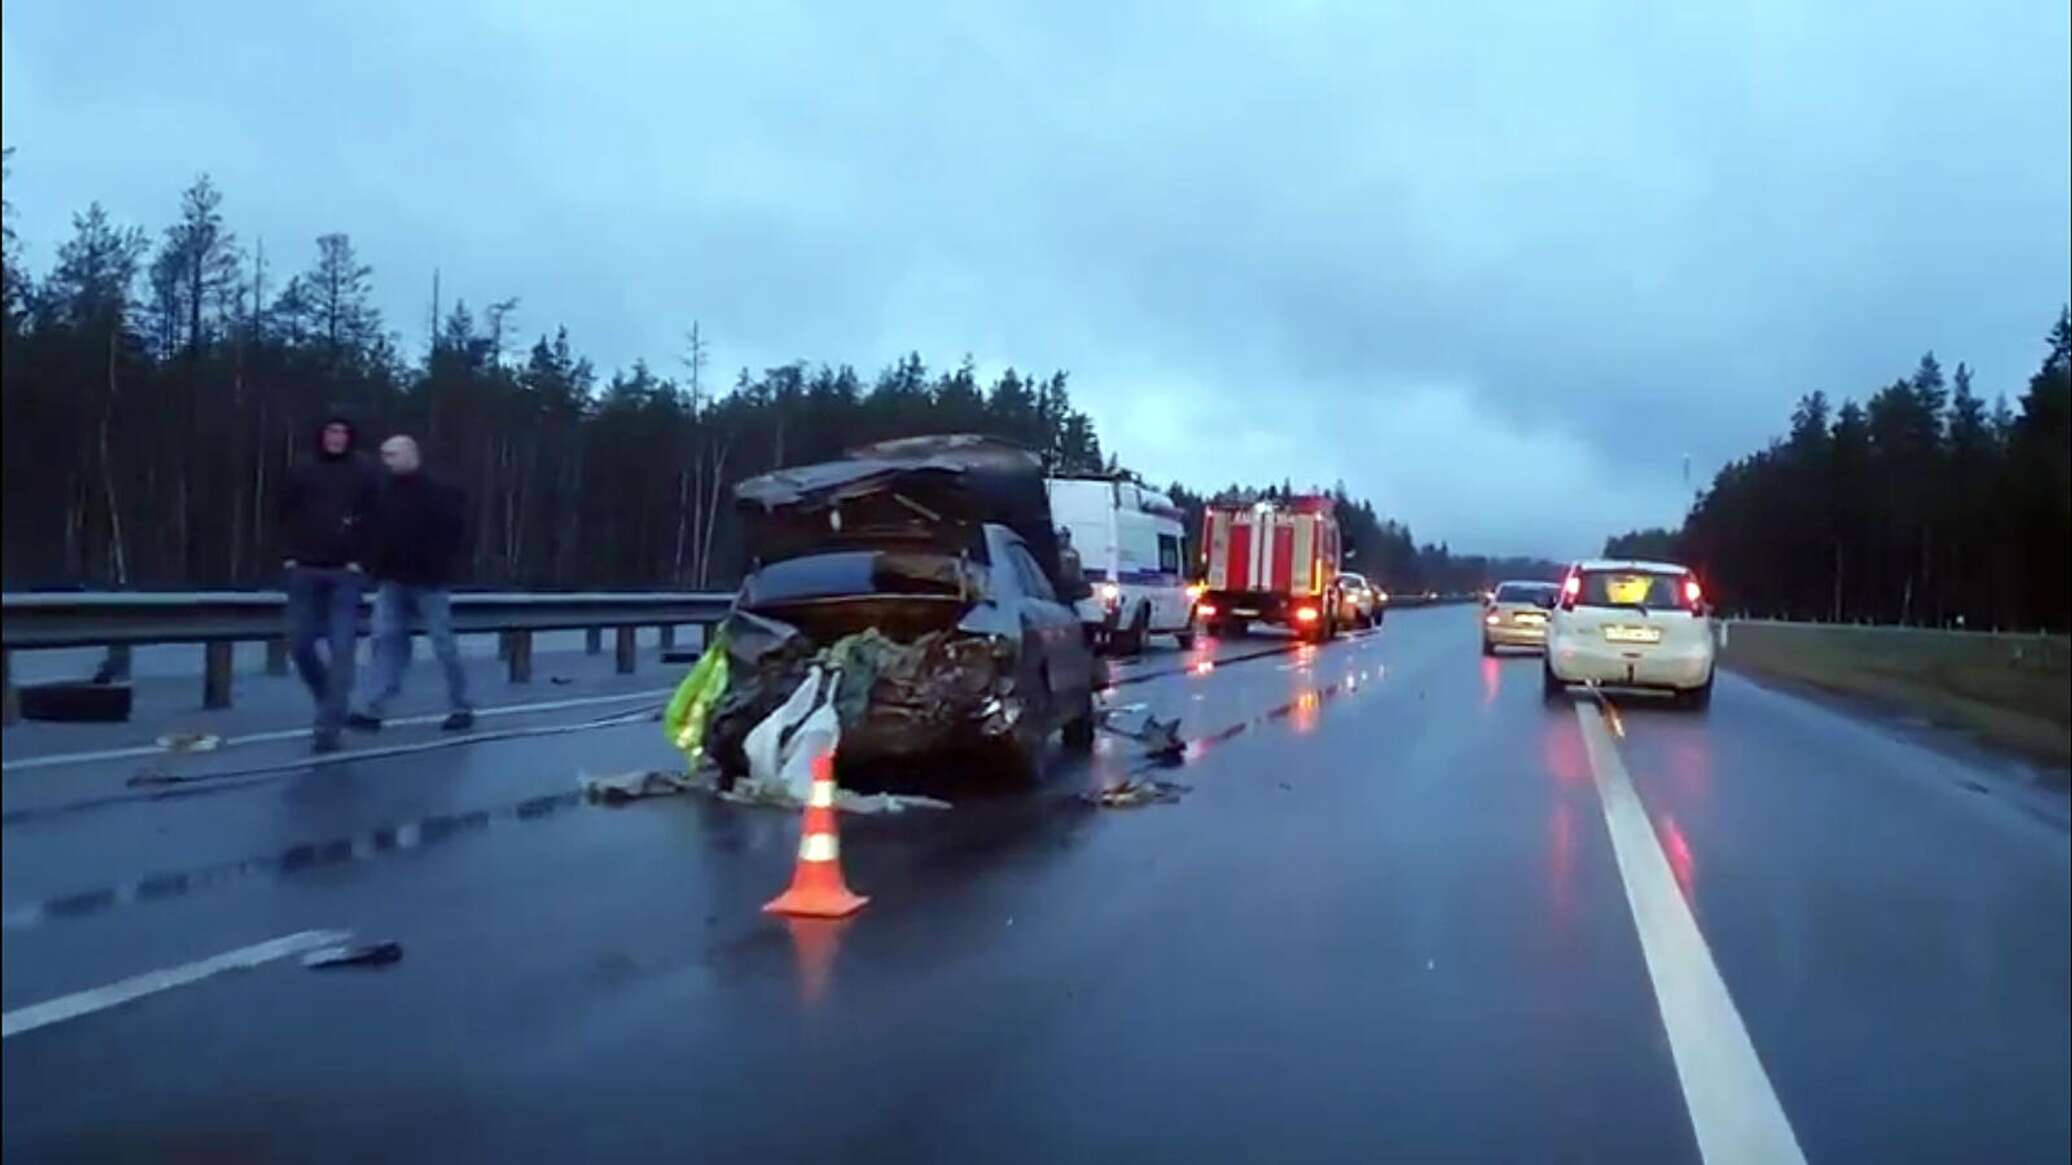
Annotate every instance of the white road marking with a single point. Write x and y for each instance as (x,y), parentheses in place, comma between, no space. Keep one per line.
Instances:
(1735,1114)
(151,750)
(79,1003)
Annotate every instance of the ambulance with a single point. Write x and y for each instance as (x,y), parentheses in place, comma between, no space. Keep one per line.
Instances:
(1128,539)
(1271,562)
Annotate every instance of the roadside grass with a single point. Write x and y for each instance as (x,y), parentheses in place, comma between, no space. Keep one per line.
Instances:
(2013,692)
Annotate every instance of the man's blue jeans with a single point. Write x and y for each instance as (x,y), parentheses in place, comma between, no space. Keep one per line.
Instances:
(324,604)
(397,606)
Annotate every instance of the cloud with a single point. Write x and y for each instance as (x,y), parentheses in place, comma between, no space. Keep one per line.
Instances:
(1499,266)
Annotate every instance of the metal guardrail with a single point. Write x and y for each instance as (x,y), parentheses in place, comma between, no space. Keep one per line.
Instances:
(221,619)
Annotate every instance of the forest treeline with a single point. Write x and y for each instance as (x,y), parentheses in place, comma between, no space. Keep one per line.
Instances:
(157,387)
(1923,504)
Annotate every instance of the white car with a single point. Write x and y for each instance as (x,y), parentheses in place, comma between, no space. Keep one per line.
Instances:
(1634,625)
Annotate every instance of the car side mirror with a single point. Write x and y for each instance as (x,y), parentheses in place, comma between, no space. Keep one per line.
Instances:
(1072,584)
(1545,602)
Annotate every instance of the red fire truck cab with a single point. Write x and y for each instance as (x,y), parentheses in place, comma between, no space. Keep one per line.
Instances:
(1270,562)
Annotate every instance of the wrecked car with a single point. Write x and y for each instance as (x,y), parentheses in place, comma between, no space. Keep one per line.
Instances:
(925,574)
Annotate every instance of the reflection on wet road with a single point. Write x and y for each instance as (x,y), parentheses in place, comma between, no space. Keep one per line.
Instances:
(1386,921)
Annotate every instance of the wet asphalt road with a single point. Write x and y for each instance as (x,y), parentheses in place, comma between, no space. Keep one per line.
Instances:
(1386,920)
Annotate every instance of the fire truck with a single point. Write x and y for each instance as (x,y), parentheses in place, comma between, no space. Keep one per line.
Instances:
(1271,562)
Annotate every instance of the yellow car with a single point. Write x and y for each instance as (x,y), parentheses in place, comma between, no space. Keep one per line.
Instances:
(1515,615)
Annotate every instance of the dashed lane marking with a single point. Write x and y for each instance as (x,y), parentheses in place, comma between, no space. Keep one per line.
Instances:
(151,750)
(1735,1114)
(82,1003)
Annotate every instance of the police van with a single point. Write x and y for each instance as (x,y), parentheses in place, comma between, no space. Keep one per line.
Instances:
(1128,540)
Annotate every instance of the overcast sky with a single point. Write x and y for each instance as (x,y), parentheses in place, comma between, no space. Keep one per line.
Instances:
(1498,266)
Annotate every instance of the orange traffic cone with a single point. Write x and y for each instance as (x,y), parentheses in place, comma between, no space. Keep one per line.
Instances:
(818,889)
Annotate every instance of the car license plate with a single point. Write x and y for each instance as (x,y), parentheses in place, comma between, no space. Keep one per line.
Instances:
(1530,618)
(1633,634)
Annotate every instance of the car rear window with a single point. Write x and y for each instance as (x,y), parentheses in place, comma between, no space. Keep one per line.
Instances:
(1524,592)
(1653,590)
(853,573)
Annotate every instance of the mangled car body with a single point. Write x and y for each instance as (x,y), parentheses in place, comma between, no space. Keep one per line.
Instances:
(924,575)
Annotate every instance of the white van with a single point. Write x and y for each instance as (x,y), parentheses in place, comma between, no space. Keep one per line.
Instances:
(1128,539)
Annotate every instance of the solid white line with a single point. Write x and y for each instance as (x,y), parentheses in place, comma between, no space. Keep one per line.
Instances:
(26,1019)
(150,750)
(1734,1111)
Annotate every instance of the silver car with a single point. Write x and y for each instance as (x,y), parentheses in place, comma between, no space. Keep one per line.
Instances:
(1515,615)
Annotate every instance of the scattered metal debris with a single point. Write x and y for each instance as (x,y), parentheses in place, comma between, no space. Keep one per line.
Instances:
(190,742)
(380,954)
(629,787)
(1133,793)
(869,804)
(1160,738)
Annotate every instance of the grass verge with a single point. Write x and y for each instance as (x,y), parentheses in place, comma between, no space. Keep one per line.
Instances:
(2012,692)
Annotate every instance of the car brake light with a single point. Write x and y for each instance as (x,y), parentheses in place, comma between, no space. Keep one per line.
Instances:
(1693,593)
(1305,614)
(1572,585)
(1206,608)
(1110,593)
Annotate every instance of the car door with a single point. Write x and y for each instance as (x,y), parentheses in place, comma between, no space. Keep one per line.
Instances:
(1054,625)
(1170,593)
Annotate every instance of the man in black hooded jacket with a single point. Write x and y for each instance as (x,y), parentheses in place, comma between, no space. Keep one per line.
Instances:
(325,504)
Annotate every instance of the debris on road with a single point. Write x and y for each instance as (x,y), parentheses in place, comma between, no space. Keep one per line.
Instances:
(190,742)
(380,954)
(629,787)
(1160,738)
(1133,793)
(868,804)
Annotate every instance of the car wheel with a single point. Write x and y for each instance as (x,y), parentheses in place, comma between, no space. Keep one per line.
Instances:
(1551,687)
(1185,638)
(1131,642)
(1079,731)
(1488,648)
(1699,698)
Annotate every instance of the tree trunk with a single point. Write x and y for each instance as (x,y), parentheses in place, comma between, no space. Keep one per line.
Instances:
(683,504)
(719,467)
(118,555)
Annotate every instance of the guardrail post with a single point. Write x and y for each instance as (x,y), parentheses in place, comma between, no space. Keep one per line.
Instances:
(276,656)
(10,702)
(503,644)
(593,641)
(217,656)
(520,644)
(668,636)
(115,665)
(628,649)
